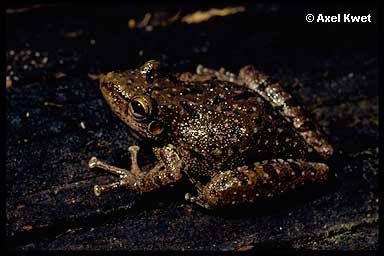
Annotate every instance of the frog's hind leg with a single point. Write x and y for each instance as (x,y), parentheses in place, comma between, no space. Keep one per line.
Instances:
(263,180)
(135,178)
(283,102)
(279,99)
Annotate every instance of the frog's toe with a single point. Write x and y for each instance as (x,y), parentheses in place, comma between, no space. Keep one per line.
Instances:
(197,200)
(97,190)
(134,148)
(188,197)
(92,162)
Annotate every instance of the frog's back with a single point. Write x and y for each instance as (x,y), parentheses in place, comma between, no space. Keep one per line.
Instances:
(221,125)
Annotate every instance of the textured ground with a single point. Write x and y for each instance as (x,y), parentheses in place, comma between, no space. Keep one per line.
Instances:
(57,119)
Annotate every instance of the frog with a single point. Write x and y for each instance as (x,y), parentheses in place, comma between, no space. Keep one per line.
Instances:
(237,138)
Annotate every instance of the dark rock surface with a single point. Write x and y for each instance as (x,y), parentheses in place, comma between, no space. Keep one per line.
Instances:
(57,120)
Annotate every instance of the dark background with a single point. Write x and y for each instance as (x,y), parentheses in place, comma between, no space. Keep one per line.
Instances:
(56,120)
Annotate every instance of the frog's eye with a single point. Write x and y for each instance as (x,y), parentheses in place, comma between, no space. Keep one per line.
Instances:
(155,127)
(140,107)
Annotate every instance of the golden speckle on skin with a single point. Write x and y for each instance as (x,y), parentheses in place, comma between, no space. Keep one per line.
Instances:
(217,152)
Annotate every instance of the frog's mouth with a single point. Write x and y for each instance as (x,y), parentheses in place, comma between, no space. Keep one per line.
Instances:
(135,134)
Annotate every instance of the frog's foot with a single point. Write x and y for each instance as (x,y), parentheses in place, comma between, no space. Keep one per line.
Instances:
(204,74)
(125,175)
(199,200)
(135,169)
(220,74)
(135,178)
(263,180)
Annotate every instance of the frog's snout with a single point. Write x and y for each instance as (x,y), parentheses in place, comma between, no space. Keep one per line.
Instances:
(106,80)
(101,78)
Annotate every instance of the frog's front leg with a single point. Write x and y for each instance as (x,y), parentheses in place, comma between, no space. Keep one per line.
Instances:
(263,180)
(280,99)
(167,170)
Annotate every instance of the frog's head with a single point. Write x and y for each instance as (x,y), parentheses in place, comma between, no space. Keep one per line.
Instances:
(128,94)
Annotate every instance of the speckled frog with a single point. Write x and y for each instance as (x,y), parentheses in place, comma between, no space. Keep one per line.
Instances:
(237,138)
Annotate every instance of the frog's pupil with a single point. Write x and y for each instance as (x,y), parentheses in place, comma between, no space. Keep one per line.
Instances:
(138,108)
